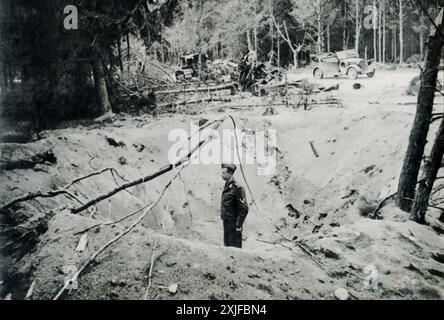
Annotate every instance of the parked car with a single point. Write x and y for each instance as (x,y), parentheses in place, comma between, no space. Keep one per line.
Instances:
(346,62)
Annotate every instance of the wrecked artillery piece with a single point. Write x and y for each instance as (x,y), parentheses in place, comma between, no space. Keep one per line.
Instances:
(189,67)
(253,78)
(219,70)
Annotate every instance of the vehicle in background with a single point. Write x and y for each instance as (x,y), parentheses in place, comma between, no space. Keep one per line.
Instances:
(346,62)
(189,67)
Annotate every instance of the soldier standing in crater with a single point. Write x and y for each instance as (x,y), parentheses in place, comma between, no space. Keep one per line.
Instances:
(234,208)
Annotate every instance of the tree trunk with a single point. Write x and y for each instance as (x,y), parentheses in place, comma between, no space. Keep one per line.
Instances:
(392,44)
(319,25)
(328,38)
(128,51)
(103,103)
(380,32)
(162,54)
(199,39)
(401,35)
(295,58)
(256,43)
(278,52)
(271,31)
(357,26)
(119,53)
(344,28)
(5,75)
(250,45)
(421,44)
(286,37)
(10,75)
(384,35)
(395,42)
(162,49)
(424,109)
(421,35)
(431,170)
(374,31)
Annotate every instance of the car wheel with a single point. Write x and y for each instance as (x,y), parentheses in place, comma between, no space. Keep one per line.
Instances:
(318,73)
(352,73)
(371,74)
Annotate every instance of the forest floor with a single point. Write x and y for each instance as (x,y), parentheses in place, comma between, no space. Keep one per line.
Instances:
(361,145)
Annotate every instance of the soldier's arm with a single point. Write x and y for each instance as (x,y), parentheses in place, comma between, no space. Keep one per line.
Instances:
(242,206)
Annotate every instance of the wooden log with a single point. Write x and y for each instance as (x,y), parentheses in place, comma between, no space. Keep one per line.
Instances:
(184,102)
(199,89)
(240,106)
(314,149)
(281,85)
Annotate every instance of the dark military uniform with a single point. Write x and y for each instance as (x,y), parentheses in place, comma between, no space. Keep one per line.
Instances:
(234,210)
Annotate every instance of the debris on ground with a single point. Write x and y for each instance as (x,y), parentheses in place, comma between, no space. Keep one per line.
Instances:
(341,294)
(313,230)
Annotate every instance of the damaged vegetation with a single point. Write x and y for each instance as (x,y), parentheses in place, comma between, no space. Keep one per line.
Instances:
(91,207)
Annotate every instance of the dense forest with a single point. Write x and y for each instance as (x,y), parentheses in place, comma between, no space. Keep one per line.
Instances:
(73,67)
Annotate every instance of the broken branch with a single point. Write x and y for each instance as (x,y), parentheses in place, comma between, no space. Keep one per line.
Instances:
(50,194)
(184,102)
(31,196)
(207,89)
(186,198)
(147,178)
(314,149)
(150,274)
(131,227)
(112,222)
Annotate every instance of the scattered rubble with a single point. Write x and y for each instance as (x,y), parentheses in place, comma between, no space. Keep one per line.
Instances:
(341,294)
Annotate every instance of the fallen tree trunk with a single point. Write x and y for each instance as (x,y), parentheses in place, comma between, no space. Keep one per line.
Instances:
(184,102)
(414,103)
(32,196)
(207,89)
(239,107)
(299,84)
(53,193)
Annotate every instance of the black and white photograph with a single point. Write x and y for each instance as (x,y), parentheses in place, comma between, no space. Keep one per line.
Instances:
(228,150)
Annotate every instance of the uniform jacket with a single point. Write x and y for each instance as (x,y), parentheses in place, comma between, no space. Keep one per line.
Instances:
(234,204)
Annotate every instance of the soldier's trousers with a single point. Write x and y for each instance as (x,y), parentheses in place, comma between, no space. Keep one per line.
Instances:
(232,238)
